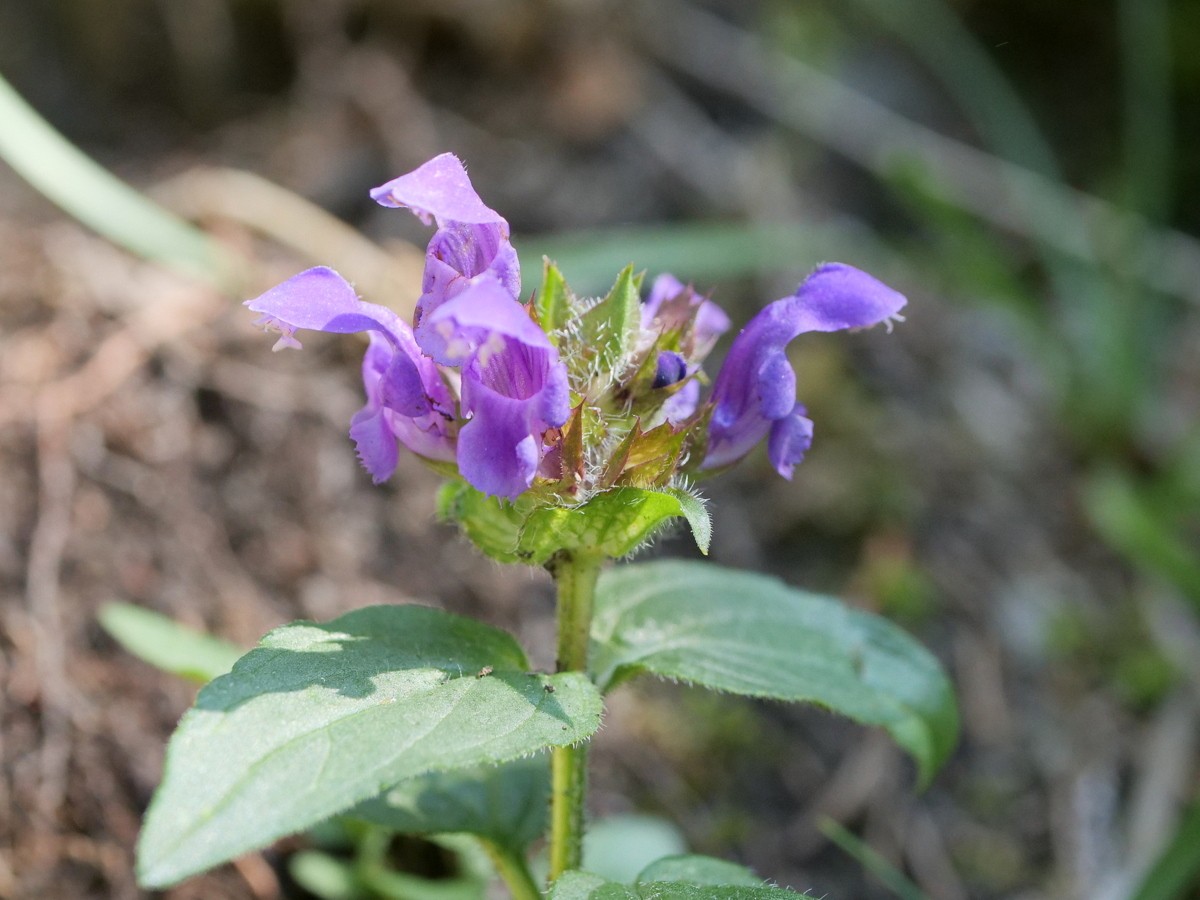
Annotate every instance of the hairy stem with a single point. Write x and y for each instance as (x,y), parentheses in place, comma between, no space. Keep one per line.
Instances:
(575,577)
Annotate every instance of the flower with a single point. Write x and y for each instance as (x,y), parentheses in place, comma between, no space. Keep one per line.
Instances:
(755,392)
(477,382)
(514,387)
(407,400)
(511,385)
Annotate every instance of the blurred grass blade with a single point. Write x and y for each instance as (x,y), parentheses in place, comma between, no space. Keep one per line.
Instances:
(98,199)
(1178,868)
(701,252)
(884,871)
(166,644)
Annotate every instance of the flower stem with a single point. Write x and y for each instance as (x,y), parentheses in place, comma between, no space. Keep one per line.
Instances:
(513,868)
(575,576)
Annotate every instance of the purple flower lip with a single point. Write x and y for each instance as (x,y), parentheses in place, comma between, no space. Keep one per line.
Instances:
(755,392)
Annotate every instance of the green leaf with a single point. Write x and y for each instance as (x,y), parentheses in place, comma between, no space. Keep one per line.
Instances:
(553,302)
(699,870)
(611,327)
(506,804)
(619,847)
(164,643)
(322,717)
(752,635)
(703,878)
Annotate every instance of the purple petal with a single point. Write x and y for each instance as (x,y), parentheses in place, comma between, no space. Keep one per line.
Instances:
(483,317)
(514,387)
(460,254)
(682,403)
(426,434)
(790,439)
(375,443)
(322,300)
(439,189)
(708,320)
(756,387)
(665,287)
(471,241)
(499,449)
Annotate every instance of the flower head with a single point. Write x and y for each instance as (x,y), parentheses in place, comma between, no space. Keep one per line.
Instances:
(571,397)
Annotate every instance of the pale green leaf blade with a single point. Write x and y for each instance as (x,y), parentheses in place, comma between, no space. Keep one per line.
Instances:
(322,717)
(619,847)
(699,870)
(749,634)
(168,645)
(507,804)
(707,884)
(586,886)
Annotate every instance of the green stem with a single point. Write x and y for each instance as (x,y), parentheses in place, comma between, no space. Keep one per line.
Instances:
(575,577)
(514,869)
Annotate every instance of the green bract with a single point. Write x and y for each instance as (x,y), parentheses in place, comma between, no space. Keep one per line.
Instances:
(613,523)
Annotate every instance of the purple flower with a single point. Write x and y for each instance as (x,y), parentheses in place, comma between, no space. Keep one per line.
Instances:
(671,304)
(514,387)
(755,393)
(471,241)
(407,400)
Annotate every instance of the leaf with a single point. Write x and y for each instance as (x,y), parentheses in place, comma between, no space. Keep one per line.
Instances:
(699,870)
(619,847)
(321,717)
(553,302)
(703,878)
(506,804)
(752,635)
(164,643)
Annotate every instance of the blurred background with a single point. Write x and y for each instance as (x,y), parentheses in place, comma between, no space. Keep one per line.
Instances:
(1013,475)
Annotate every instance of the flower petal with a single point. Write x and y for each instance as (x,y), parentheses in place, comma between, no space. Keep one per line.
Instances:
(322,300)
(439,189)
(499,449)
(790,439)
